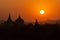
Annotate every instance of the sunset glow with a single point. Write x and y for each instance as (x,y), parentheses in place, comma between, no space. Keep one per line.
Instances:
(30,9)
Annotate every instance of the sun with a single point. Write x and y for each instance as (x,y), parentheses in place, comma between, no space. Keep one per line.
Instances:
(42,12)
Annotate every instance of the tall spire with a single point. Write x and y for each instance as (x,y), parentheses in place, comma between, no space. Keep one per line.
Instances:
(36,26)
(36,23)
(9,18)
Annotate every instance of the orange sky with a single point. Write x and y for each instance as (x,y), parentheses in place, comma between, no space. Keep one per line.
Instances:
(29,9)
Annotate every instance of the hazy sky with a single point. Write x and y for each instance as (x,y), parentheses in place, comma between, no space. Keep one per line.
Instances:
(29,9)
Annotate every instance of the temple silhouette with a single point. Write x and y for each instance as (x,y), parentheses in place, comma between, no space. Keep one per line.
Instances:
(18,30)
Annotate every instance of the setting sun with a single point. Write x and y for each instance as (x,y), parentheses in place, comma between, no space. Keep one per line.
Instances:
(41,11)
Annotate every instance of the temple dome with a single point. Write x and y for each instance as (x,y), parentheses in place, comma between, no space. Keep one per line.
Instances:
(19,20)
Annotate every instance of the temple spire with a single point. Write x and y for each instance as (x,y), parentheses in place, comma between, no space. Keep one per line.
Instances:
(36,23)
(9,18)
(36,26)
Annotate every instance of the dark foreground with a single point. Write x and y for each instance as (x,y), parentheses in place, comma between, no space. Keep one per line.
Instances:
(42,32)
(18,30)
